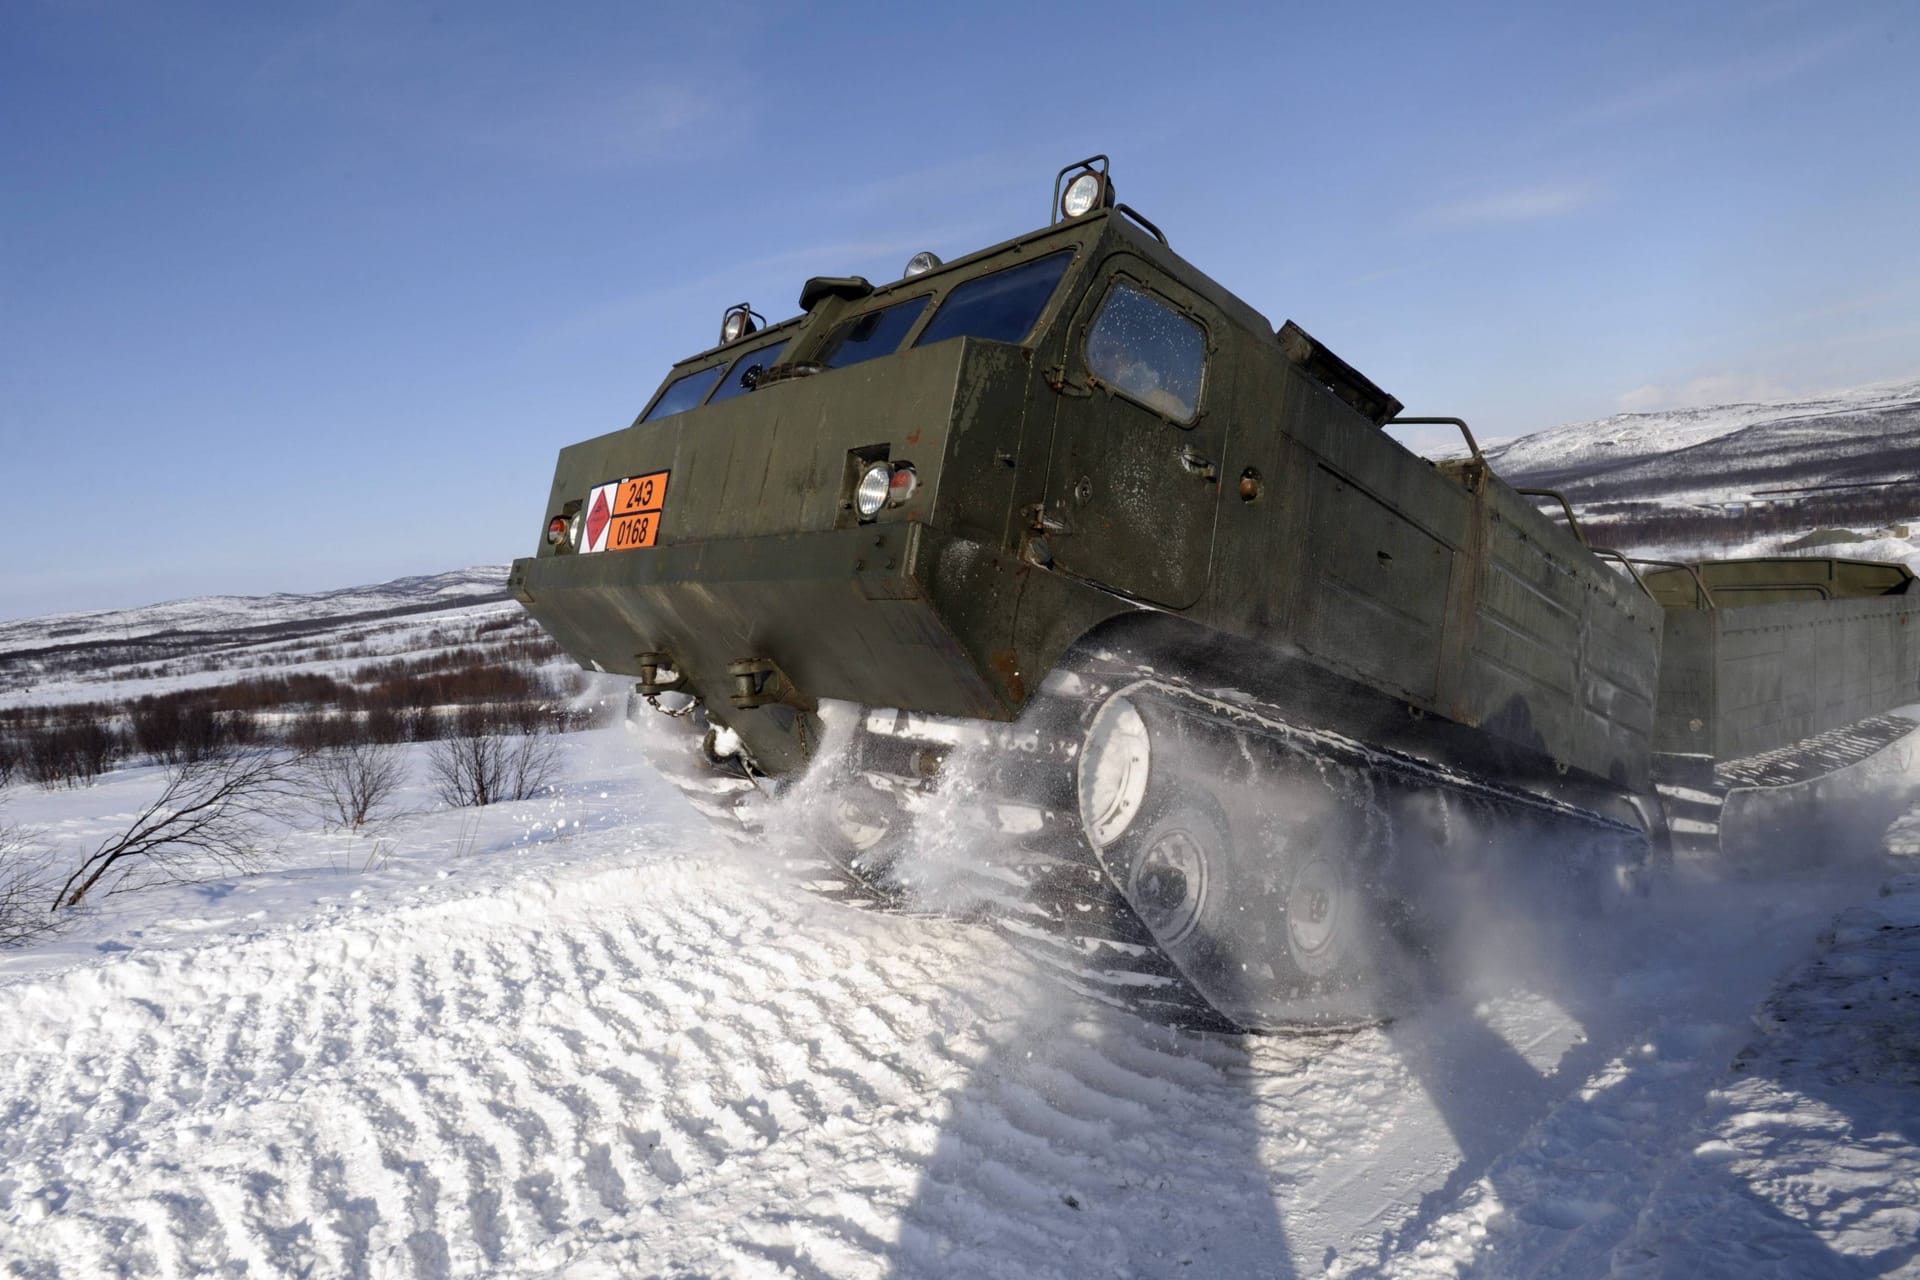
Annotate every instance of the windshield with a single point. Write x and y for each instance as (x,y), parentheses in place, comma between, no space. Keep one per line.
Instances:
(743,373)
(1002,307)
(876,333)
(683,393)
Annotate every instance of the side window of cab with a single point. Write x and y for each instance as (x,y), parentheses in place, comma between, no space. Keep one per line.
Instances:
(1146,350)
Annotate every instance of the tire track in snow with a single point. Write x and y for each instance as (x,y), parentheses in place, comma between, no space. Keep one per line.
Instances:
(430,1093)
(680,1068)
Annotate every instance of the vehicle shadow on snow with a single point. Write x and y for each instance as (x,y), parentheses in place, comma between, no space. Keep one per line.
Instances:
(1088,1141)
(1559,1064)
(1815,1121)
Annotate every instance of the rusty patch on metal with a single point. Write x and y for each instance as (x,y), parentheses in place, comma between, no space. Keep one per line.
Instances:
(1006,665)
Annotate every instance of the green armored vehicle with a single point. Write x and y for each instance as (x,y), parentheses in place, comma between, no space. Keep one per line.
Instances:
(1235,679)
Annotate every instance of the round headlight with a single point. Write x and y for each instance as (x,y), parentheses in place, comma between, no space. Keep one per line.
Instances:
(1114,767)
(875,483)
(736,324)
(1082,194)
(922,262)
(556,530)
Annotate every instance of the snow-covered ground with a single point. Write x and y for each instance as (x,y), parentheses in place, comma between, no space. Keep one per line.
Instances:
(576,1036)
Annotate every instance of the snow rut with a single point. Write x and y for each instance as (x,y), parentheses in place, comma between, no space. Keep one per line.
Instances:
(665,1068)
(475,1087)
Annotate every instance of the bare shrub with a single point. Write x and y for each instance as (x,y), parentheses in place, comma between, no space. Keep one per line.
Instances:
(383,724)
(26,882)
(202,733)
(213,811)
(156,727)
(189,726)
(479,762)
(314,730)
(529,716)
(69,755)
(352,781)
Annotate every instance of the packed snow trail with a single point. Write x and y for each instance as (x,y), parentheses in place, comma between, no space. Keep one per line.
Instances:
(622,1052)
(606,1057)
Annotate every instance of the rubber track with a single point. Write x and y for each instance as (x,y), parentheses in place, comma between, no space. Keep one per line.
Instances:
(1060,906)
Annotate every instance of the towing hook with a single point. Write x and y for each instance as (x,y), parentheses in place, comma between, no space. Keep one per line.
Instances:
(659,674)
(756,683)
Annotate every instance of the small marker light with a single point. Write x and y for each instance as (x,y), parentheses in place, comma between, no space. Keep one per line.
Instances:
(921,263)
(901,485)
(556,530)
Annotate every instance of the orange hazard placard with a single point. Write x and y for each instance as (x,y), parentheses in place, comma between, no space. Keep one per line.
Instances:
(630,533)
(641,493)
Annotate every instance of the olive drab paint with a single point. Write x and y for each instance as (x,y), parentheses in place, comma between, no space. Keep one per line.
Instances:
(1243,508)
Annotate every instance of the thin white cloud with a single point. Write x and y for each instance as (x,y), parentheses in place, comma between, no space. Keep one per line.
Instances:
(595,127)
(1517,204)
(400,75)
(1719,82)
(1708,389)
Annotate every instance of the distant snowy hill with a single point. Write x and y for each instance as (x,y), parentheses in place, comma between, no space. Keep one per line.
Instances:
(205,639)
(475,585)
(1731,452)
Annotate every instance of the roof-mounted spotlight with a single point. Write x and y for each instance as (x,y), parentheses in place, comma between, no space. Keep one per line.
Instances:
(739,321)
(1081,188)
(921,263)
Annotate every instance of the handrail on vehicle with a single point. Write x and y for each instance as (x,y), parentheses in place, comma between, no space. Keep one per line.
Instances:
(1626,562)
(1565,506)
(1141,218)
(1473,446)
(1826,592)
(1693,571)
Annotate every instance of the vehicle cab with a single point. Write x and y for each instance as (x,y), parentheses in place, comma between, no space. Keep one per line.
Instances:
(854,503)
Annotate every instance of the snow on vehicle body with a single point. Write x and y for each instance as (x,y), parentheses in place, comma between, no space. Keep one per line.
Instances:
(1273,672)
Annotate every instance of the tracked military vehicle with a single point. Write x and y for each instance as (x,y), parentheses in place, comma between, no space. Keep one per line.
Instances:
(1235,684)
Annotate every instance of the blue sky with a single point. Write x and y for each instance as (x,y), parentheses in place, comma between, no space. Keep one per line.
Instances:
(294,297)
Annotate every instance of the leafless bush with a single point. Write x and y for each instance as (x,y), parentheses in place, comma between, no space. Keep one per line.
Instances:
(172,729)
(351,782)
(385,724)
(316,730)
(213,811)
(480,762)
(69,755)
(26,882)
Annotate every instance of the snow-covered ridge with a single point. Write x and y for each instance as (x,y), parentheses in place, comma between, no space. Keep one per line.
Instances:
(234,613)
(1738,451)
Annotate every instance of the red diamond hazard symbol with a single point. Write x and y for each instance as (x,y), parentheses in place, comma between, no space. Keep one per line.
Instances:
(598,518)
